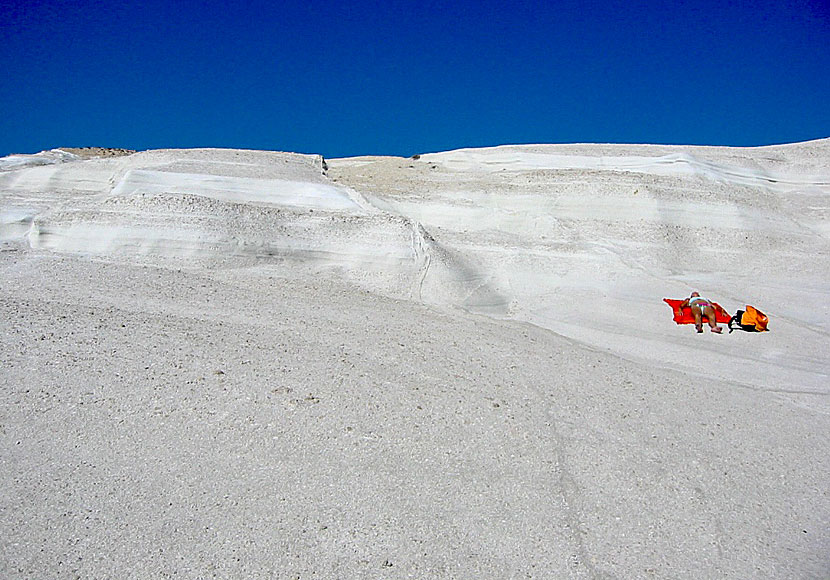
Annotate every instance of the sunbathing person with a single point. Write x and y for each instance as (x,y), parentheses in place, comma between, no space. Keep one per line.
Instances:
(701,307)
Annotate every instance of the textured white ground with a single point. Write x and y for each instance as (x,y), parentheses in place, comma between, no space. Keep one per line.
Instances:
(241,364)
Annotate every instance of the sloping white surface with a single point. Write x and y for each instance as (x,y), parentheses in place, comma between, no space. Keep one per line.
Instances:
(584,240)
(457,366)
(210,206)
(672,164)
(587,240)
(236,189)
(13,162)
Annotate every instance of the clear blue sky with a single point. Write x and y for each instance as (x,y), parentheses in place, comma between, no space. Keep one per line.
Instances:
(391,77)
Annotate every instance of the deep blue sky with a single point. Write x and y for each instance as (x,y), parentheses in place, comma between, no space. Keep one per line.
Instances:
(391,77)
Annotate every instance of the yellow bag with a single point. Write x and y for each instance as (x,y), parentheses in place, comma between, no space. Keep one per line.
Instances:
(750,320)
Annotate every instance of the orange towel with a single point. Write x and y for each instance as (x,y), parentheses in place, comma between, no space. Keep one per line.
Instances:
(686,317)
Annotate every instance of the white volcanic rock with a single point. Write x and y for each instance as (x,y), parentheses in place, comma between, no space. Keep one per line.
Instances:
(249,364)
(586,240)
(208,205)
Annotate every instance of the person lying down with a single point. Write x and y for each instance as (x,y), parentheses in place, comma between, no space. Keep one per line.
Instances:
(701,307)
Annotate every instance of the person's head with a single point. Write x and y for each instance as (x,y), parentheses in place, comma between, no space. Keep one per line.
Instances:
(695,294)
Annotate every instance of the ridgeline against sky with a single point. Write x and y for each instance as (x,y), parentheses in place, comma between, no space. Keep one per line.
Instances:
(398,78)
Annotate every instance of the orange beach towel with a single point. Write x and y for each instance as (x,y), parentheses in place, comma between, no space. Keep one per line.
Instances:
(686,317)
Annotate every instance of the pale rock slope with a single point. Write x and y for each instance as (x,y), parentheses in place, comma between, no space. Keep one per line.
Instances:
(247,364)
(206,207)
(586,240)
